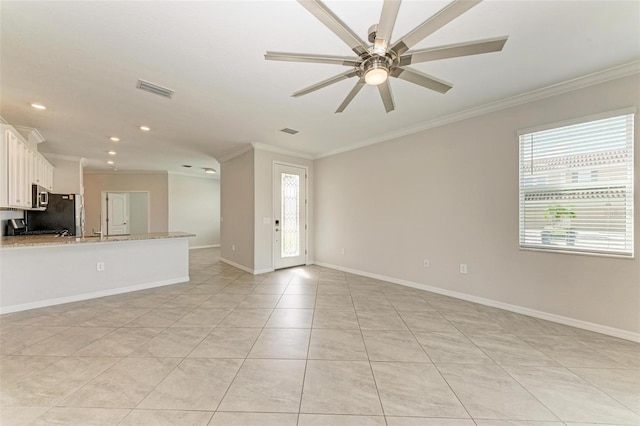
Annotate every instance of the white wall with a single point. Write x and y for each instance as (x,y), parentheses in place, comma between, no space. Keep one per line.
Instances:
(194,207)
(67,174)
(139,212)
(263,249)
(128,266)
(237,210)
(450,195)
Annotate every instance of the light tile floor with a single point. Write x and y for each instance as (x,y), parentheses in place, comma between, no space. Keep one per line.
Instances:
(305,346)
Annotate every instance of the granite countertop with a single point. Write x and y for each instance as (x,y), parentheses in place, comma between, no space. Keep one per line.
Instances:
(52,240)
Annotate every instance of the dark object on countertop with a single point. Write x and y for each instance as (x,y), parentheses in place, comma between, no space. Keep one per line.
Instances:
(16,227)
(43,232)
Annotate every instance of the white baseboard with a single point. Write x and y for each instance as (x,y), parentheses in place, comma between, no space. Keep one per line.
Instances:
(202,247)
(245,268)
(236,265)
(585,325)
(86,296)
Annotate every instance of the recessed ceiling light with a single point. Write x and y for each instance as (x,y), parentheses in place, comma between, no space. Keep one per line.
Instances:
(109,162)
(114,139)
(210,171)
(112,153)
(38,106)
(145,128)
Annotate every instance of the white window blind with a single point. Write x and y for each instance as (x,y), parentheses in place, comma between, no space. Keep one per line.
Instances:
(576,187)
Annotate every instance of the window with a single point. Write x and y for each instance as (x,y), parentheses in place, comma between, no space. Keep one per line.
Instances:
(576,186)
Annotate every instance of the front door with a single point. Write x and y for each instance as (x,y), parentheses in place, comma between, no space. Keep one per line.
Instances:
(290,216)
(117,213)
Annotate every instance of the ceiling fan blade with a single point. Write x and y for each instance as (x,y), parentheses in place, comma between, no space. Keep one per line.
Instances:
(385,94)
(331,21)
(352,94)
(431,25)
(325,83)
(385,26)
(421,79)
(307,57)
(454,51)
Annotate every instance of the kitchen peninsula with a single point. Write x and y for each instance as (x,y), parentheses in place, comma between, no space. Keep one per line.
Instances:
(43,270)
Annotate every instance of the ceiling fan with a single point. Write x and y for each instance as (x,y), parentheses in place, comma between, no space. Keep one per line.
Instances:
(376,62)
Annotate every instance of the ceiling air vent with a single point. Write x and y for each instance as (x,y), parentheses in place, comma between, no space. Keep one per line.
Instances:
(154,88)
(290,131)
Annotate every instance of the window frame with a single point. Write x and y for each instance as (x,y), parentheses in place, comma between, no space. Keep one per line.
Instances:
(523,191)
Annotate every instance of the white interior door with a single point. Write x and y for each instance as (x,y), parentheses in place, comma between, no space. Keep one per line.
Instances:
(117,213)
(290,216)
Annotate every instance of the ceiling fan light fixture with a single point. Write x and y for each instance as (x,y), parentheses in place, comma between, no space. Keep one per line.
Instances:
(376,75)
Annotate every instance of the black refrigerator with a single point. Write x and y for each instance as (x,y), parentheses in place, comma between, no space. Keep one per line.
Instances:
(64,212)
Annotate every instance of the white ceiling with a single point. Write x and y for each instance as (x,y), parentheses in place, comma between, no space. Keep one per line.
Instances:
(82,59)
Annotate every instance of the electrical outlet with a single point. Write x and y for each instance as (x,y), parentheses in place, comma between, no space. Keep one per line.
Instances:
(100,266)
(463,268)
(426,263)
(342,250)
(233,247)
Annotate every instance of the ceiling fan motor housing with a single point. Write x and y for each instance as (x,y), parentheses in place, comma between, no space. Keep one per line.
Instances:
(375,62)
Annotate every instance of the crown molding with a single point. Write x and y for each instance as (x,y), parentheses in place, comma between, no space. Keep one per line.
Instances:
(235,154)
(284,151)
(258,146)
(64,157)
(215,176)
(124,172)
(588,80)
(30,133)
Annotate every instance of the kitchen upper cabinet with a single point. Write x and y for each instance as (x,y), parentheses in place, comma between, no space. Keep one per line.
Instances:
(20,167)
(43,172)
(48,175)
(19,196)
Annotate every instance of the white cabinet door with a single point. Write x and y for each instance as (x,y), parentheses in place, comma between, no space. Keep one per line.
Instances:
(38,172)
(45,173)
(29,175)
(16,172)
(48,176)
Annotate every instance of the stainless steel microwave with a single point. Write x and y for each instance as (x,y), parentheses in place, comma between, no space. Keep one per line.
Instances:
(39,197)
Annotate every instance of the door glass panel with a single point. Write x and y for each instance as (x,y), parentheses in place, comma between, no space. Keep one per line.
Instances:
(290,238)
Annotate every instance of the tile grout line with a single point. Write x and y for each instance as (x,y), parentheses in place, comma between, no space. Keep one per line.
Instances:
(430,359)
(375,383)
(306,361)
(245,358)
